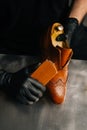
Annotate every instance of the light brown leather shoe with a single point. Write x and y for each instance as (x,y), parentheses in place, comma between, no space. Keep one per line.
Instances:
(57,85)
(56,49)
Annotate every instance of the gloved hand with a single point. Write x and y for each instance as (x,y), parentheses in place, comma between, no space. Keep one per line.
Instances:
(26,89)
(70,25)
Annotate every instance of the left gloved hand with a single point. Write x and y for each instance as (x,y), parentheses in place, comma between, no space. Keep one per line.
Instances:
(70,26)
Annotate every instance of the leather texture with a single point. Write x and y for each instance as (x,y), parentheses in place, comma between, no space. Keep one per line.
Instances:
(57,85)
(59,52)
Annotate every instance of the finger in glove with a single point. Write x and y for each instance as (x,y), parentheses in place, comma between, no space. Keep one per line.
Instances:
(22,99)
(28,95)
(37,84)
(33,89)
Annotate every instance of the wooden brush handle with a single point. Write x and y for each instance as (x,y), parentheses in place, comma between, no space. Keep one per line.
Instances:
(45,72)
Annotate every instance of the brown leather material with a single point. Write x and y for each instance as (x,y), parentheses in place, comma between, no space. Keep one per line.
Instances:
(58,85)
(56,51)
(59,53)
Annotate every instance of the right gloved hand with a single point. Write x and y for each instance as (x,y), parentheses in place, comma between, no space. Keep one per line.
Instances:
(26,89)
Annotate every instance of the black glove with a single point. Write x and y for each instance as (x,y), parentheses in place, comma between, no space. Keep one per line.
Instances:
(70,26)
(26,89)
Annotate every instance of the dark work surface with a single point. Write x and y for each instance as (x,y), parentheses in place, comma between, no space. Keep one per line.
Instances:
(45,115)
